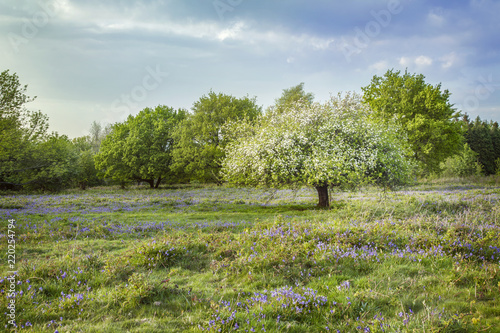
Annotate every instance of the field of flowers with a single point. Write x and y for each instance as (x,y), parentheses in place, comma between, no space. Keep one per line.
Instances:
(220,259)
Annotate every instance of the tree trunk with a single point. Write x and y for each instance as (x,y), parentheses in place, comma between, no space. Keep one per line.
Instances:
(158,182)
(151,183)
(323,195)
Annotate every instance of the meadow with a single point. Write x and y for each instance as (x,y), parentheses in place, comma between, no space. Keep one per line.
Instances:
(219,259)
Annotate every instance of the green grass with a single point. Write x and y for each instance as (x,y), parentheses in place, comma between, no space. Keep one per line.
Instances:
(207,258)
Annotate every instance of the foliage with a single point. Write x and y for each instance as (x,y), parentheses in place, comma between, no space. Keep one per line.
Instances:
(483,137)
(51,164)
(461,165)
(86,173)
(141,147)
(29,156)
(200,139)
(322,145)
(424,111)
(291,96)
(97,134)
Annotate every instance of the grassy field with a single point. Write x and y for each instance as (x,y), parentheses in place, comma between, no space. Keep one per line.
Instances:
(218,259)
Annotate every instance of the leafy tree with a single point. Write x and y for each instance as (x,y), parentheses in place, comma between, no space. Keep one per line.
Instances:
(291,96)
(86,173)
(495,138)
(55,159)
(479,138)
(31,158)
(20,132)
(321,145)
(462,164)
(483,137)
(141,148)
(109,161)
(97,133)
(424,111)
(47,165)
(200,139)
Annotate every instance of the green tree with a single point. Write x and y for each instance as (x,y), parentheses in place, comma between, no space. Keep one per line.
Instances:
(86,173)
(140,149)
(291,96)
(97,133)
(200,139)
(109,161)
(479,138)
(462,164)
(21,131)
(495,138)
(320,145)
(31,158)
(483,137)
(432,125)
(54,159)
(86,148)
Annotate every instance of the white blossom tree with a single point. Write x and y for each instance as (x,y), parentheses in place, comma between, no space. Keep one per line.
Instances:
(337,143)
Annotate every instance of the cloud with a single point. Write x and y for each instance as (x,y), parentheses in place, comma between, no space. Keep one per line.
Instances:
(450,60)
(232,32)
(436,18)
(90,52)
(380,66)
(405,61)
(423,61)
(419,61)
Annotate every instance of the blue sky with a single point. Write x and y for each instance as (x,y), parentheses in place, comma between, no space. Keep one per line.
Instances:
(103,60)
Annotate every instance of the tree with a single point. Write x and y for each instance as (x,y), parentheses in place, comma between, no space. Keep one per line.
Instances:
(431,124)
(495,139)
(30,157)
(97,133)
(21,131)
(140,149)
(291,96)
(322,145)
(462,164)
(483,137)
(200,139)
(85,172)
(54,159)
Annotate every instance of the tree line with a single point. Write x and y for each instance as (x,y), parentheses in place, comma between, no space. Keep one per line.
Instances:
(399,128)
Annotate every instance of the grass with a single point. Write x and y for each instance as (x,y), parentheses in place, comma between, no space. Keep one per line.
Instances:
(219,259)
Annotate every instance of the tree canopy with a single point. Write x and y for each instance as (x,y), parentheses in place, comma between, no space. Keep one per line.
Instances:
(25,145)
(432,125)
(200,139)
(140,148)
(291,96)
(321,145)
(483,137)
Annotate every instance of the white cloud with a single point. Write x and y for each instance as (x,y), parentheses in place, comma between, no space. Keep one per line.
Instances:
(449,60)
(321,43)
(405,61)
(436,18)
(260,48)
(423,61)
(380,66)
(420,61)
(231,33)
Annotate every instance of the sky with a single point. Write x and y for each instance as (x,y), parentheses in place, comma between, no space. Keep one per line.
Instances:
(102,60)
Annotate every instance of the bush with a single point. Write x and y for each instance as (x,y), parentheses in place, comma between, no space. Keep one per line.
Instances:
(462,165)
